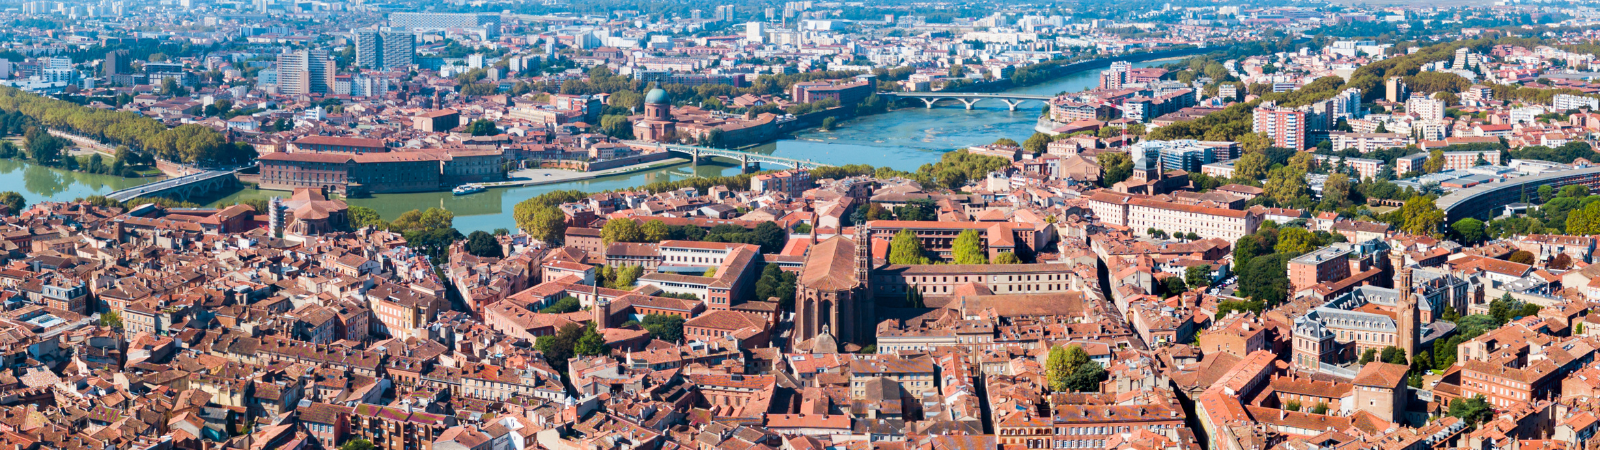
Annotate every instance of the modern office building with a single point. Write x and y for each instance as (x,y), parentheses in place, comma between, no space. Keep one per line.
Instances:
(1187,155)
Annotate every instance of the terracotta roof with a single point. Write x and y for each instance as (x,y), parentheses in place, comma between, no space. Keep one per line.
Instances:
(339,140)
(336,158)
(831,265)
(1381,374)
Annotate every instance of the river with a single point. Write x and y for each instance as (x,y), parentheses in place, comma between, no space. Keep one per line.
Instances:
(39,183)
(902,139)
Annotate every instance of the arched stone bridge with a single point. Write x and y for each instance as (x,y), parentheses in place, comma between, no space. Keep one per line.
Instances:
(969,98)
(181,188)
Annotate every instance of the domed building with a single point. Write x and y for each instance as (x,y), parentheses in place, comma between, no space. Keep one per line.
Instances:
(656,125)
(661,122)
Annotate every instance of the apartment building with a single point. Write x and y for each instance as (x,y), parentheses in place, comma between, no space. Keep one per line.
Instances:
(1286,126)
(1425,108)
(1365,168)
(1368,142)
(1330,263)
(302,72)
(1468,160)
(792,182)
(489,23)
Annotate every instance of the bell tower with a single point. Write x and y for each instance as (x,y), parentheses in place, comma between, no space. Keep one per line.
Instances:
(859,307)
(1405,306)
(864,257)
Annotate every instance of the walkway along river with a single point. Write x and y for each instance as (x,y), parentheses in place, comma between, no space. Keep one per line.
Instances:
(903,139)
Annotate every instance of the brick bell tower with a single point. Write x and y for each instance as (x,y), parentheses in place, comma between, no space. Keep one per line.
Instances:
(864,323)
(1406,313)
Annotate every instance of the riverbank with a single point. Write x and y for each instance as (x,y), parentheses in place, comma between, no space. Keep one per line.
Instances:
(82,151)
(540,177)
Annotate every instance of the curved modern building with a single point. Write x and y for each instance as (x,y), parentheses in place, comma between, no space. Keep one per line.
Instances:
(1485,200)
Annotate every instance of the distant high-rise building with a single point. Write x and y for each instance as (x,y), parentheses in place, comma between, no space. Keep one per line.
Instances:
(1228,92)
(1116,76)
(385,48)
(755,31)
(368,48)
(1397,91)
(399,49)
(1425,108)
(116,63)
(1466,60)
(1286,126)
(305,72)
(490,23)
(1347,105)
(365,86)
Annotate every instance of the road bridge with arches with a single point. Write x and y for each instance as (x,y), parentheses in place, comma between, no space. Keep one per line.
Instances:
(969,98)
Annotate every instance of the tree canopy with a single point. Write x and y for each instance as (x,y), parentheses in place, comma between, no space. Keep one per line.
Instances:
(13,201)
(665,327)
(906,248)
(968,249)
(188,143)
(483,244)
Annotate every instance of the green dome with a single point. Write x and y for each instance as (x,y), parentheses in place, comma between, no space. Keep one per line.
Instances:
(657,95)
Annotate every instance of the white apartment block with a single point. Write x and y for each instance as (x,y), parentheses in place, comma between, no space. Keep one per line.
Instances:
(1527,114)
(1566,102)
(1425,108)
(1369,142)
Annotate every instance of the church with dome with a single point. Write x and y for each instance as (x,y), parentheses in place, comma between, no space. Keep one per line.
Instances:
(656,125)
(662,122)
